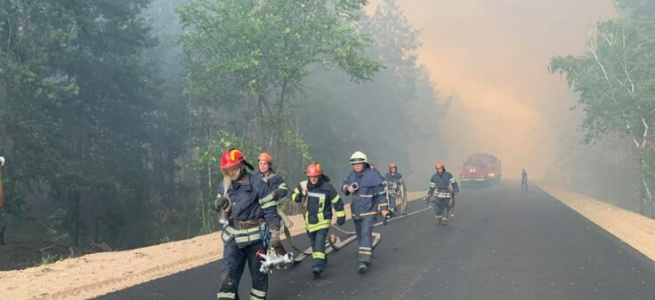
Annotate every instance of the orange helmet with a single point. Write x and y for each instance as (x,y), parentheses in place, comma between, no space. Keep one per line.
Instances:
(438,165)
(231,158)
(393,165)
(314,170)
(265,157)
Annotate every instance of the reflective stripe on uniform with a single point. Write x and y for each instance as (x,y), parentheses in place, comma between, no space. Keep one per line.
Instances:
(226,296)
(341,213)
(257,294)
(247,238)
(242,235)
(365,250)
(317,195)
(267,202)
(370,213)
(335,200)
(318,255)
(295,194)
(322,222)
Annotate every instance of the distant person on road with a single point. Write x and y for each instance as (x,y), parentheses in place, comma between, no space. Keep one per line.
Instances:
(524,180)
(366,187)
(318,197)
(252,220)
(446,188)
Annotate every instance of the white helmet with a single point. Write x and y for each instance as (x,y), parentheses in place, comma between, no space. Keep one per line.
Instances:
(358,158)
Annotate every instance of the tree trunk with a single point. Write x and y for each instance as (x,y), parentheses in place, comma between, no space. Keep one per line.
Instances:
(2,194)
(96,234)
(75,229)
(646,206)
(3,227)
(280,119)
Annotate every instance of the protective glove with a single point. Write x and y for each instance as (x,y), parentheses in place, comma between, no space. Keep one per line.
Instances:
(275,237)
(426,199)
(341,220)
(221,203)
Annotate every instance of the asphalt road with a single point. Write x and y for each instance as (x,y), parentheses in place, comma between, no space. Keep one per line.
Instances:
(502,244)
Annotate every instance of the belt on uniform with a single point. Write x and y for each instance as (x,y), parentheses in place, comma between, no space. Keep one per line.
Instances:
(240,225)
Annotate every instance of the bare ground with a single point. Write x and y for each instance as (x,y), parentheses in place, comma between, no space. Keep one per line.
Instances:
(101,273)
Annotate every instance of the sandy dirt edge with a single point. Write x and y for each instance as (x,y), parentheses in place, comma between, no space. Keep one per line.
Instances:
(98,274)
(631,228)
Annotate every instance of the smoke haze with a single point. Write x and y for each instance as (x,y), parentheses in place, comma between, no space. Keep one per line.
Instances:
(492,56)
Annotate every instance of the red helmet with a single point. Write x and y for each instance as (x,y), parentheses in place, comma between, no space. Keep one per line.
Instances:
(314,170)
(393,165)
(438,165)
(231,158)
(265,157)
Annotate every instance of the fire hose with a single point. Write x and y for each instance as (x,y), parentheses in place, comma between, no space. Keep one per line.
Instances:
(335,243)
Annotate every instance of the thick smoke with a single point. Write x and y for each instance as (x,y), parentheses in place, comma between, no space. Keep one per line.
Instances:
(494,55)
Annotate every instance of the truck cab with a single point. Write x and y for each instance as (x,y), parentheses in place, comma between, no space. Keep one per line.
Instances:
(481,169)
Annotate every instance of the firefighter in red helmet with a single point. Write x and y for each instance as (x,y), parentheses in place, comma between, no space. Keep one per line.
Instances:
(318,198)
(446,187)
(253,224)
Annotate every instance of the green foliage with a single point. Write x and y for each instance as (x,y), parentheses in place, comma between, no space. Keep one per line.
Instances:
(381,118)
(260,44)
(637,8)
(220,142)
(119,129)
(47,258)
(54,223)
(615,78)
(254,55)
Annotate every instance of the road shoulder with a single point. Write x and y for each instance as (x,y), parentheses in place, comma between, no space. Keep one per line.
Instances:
(98,274)
(631,228)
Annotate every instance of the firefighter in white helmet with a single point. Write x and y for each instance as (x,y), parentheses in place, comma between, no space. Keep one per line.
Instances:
(367,190)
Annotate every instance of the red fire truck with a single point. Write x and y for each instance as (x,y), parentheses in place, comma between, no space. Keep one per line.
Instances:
(481,169)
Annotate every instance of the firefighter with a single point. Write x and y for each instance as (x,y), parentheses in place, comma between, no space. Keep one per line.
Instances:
(318,197)
(446,188)
(366,187)
(278,189)
(253,223)
(524,180)
(274,181)
(394,185)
